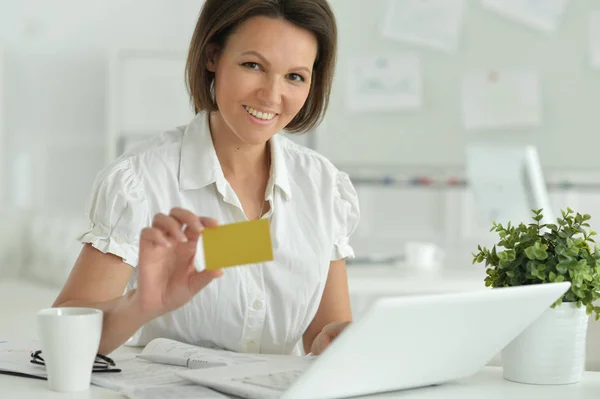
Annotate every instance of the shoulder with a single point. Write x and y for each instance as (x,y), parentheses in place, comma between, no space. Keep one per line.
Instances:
(301,159)
(151,155)
(167,145)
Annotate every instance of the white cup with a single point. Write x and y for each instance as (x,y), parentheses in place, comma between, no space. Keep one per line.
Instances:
(69,339)
(423,255)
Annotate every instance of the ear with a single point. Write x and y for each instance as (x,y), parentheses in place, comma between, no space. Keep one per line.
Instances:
(212,56)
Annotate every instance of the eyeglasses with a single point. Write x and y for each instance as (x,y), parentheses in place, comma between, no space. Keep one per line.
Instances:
(102,364)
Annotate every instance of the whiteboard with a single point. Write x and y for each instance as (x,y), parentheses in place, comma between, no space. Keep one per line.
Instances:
(434,135)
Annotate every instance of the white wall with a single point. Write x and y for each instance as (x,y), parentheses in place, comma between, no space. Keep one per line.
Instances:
(55,86)
(435,134)
(55,106)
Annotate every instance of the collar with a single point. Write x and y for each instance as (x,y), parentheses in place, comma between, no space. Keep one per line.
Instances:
(200,167)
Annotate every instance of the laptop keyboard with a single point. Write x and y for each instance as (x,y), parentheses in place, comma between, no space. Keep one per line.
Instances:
(279,381)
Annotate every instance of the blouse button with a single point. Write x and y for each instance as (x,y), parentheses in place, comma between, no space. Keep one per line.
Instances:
(257,304)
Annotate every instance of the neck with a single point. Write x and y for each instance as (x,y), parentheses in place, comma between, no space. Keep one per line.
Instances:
(237,159)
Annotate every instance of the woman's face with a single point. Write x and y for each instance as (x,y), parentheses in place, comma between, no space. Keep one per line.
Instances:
(263,77)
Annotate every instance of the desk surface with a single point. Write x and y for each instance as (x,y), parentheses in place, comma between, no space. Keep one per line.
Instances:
(488,383)
(19,323)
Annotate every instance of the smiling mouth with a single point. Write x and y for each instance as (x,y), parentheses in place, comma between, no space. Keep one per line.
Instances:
(265,116)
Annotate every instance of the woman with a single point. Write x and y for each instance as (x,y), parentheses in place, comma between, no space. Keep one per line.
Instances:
(254,68)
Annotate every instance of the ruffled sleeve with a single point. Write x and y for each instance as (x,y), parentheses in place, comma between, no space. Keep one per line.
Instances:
(118,211)
(346,217)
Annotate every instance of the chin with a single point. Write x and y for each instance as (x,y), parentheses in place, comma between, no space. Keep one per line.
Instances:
(255,139)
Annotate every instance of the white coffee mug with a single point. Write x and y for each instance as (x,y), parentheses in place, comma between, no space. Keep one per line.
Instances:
(423,255)
(69,339)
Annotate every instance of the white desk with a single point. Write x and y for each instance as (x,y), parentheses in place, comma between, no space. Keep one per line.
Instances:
(371,281)
(487,384)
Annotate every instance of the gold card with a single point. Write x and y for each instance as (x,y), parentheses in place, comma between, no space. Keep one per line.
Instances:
(237,244)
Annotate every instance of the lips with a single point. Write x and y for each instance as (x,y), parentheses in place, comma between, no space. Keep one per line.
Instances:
(262,115)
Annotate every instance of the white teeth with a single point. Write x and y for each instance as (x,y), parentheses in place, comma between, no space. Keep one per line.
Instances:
(260,115)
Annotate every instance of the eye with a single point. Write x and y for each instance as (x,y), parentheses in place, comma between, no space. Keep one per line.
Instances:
(251,65)
(296,77)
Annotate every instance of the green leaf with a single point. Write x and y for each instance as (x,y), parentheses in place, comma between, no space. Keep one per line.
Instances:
(541,267)
(541,254)
(530,252)
(510,254)
(562,267)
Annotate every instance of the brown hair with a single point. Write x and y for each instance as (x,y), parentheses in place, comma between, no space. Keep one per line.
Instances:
(219,18)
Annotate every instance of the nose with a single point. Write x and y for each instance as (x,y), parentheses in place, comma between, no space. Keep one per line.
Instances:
(270,92)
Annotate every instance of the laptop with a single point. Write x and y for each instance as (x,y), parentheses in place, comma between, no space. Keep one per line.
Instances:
(399,343)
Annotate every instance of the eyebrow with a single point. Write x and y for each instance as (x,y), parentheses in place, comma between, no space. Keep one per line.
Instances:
(264,60)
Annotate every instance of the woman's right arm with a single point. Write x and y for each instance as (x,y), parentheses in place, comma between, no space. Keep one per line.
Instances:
(98,281)
(166,277)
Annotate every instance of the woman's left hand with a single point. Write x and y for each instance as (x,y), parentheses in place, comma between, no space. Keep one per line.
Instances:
(327,335)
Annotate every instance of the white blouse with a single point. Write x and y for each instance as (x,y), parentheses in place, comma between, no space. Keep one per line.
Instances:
(261,308)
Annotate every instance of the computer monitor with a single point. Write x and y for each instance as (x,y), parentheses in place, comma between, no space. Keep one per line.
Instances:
(507,183)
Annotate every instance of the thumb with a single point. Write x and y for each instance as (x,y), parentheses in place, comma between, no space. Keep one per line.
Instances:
(208,222)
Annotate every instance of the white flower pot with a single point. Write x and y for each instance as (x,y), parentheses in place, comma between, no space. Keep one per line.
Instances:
(551,350)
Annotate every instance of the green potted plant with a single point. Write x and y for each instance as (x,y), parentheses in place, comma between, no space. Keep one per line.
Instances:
(552,349)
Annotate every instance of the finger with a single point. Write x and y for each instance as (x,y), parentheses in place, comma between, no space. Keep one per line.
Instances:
(154,236)
(170,226)
(208,222)
(320,343)
(192,225)
(202,279)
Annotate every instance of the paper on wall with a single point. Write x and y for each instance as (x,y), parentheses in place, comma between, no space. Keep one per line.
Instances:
(384,83)
(506,99)
(431,23)
(544,15)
